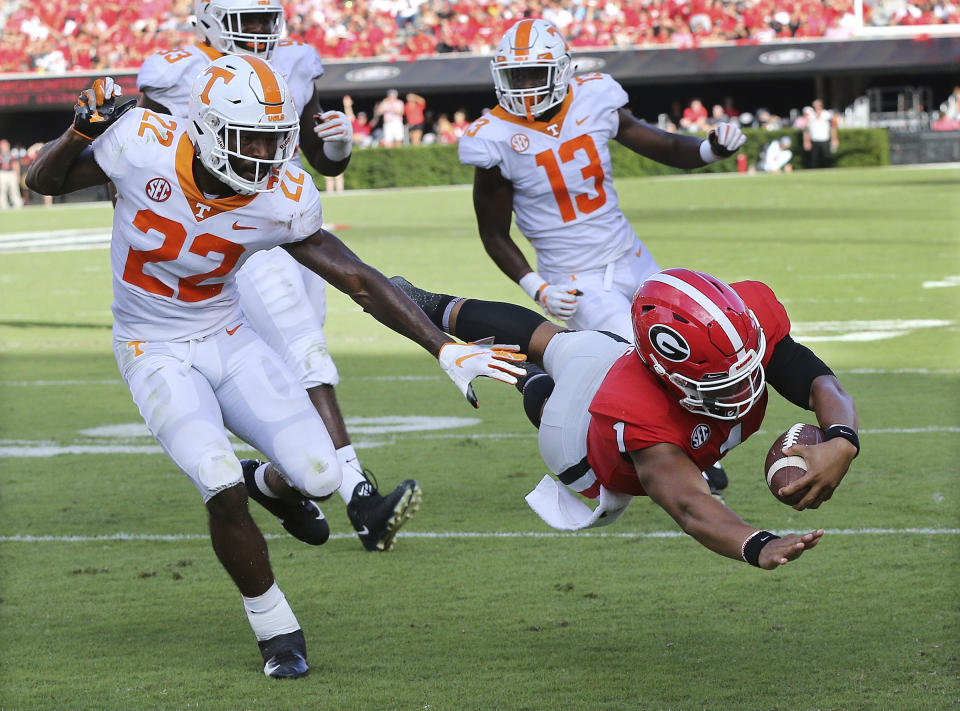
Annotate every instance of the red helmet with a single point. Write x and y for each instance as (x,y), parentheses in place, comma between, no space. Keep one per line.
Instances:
(696,334)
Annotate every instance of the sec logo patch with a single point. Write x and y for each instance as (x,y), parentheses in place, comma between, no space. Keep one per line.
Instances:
(700,435)
(519,142)
(158,189)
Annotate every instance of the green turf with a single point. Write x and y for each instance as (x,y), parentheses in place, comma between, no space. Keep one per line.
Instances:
(623,621)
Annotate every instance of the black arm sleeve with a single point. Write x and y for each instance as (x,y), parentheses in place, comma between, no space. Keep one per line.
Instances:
(792,369)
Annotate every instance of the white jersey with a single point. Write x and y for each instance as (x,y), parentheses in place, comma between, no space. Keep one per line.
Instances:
(166,76)
(564,201)
(174,251)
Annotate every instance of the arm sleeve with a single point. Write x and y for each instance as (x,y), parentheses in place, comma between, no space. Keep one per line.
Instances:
(792,369)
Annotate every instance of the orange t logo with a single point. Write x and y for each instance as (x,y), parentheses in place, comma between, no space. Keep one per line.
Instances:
(215,73)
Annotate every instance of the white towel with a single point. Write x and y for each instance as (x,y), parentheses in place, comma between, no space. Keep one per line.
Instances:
(564,510)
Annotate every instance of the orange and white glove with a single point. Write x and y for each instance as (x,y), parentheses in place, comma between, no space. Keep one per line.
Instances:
(722,141)
(96,109)
(463,362)
(336,132)
(557,301)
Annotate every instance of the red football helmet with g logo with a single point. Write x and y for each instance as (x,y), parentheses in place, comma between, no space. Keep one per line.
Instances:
(696,334)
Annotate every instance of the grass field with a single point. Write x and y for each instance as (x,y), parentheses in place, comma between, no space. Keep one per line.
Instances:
(111,597)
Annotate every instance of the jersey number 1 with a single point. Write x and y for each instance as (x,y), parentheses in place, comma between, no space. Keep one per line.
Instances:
(594,169)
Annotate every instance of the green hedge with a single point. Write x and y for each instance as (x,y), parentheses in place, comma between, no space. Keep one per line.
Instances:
(411,166)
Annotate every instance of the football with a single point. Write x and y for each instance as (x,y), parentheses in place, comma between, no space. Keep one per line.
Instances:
(780,469)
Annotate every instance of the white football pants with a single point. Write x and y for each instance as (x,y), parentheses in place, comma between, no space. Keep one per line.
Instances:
(607,291)
(286,304)
(188,392)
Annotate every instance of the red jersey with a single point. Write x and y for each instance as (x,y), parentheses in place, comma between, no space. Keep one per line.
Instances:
(632,410)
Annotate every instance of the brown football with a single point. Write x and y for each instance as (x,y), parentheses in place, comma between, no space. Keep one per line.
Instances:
(780,469)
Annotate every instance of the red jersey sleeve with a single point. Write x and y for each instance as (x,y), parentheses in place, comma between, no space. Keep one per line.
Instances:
(769,311)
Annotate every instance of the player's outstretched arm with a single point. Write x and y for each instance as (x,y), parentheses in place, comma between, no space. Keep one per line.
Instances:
(675,483)
(675,149)
(67,163)
(325,254)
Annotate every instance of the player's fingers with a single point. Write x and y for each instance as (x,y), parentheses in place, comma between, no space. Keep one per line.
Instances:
(98,91)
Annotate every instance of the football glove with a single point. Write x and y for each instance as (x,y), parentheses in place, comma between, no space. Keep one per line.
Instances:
(463,362)
(558,301)
(336,132)
(96,108)
(725,139)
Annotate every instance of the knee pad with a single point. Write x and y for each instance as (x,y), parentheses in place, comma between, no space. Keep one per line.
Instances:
(322,479)
(535,392)
(507,323)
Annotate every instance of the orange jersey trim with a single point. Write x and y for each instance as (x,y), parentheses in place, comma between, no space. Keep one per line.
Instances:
(540,126)
(211,53)
(193,194)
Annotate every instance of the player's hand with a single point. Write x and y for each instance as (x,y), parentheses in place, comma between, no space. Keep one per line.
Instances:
(333,126)
(725,139)
(465,361)
(827,463)
(96,108)
(781,551)
(558,301)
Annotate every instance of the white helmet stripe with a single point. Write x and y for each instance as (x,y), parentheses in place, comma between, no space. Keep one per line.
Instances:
(705,303)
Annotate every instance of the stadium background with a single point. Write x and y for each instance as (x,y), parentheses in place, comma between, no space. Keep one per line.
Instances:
(890,64)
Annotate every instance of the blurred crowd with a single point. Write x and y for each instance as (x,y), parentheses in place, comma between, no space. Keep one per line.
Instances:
(54,36)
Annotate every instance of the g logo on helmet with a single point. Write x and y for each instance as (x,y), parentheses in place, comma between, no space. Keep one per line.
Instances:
(668,343)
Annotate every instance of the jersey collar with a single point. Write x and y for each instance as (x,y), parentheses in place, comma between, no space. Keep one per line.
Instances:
(211,53)
(201,206)
(551,128)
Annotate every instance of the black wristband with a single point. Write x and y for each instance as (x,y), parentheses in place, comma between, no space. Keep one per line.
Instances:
(844,431)
(750,550)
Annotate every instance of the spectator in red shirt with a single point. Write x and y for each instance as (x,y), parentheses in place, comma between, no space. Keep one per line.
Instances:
(695,117)
(460,123)
(359,122)
(413,112)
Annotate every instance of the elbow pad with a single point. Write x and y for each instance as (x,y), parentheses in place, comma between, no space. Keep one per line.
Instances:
(792,369)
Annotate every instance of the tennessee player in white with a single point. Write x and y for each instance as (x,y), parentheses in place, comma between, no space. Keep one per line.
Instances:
(284,302)
(542,155)
(195,199)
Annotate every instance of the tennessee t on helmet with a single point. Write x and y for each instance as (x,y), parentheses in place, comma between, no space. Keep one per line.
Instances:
(531,68)
(240,26)
(243,122)
(696,334)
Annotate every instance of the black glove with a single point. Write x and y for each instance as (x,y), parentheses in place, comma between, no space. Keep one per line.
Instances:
(725,139)
(96,108)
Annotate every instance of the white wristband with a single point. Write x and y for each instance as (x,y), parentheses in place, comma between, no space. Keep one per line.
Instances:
(532,283)
(337,150)
(706,155)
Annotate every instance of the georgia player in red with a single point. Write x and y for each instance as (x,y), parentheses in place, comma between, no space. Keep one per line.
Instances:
(618,420)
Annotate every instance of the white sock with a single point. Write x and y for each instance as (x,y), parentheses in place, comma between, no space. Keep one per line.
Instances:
(352,473)
(260,480)
(270,614)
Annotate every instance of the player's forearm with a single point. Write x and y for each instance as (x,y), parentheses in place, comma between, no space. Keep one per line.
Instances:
(385,302)
(323,164)
(711,524)
(832,404)
(47,175)
(505,254)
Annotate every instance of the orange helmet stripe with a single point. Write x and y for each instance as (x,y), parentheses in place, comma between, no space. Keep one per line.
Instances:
(268,80)
(522,42)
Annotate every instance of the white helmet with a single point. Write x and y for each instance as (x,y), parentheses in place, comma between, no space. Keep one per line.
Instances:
(222,24)
(233,100)
(531,69)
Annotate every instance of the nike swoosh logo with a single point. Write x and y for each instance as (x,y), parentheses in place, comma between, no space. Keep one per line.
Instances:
(238,226)
(363,531)
(580,121)
(459,361)
(231,331)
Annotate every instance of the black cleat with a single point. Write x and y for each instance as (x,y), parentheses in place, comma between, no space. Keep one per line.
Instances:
(285,656)
(717,481)
(377,518)
(533,371)
(303,519)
